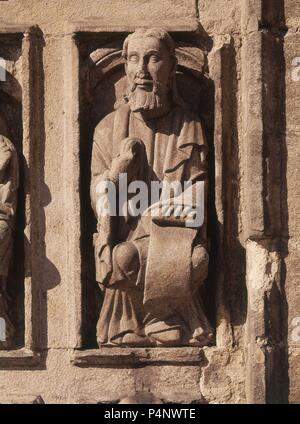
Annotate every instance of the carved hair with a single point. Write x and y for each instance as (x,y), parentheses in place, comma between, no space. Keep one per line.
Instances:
(157,33)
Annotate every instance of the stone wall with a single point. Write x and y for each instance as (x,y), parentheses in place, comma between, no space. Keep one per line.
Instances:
(252,118)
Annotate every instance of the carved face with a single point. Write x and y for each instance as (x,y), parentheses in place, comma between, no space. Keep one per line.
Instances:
(148,68)
(148,60)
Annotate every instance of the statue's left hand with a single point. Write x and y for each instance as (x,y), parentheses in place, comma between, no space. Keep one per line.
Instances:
(178,210)
(177,213)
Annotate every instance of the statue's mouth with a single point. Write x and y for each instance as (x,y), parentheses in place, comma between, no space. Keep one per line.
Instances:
(143,83)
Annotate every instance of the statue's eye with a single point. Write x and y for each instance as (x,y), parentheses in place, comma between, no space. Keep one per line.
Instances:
(133,58)
(154,58)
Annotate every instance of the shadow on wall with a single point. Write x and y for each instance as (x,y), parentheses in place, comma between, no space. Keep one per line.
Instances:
(50,276)
(29,256)
(274,29)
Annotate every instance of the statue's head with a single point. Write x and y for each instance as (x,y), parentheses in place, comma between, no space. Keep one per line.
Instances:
(150,65)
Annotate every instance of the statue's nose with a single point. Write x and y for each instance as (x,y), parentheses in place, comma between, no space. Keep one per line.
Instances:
(142,70)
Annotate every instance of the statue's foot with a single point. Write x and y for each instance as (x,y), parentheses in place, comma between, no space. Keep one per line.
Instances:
(129,339)
(206,339)
(167,338)
(132,339)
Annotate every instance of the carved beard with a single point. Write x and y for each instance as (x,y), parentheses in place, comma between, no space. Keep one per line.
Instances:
(140,99)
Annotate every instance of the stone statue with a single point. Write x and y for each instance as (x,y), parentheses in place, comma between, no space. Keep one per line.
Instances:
(9,180)
(150,267)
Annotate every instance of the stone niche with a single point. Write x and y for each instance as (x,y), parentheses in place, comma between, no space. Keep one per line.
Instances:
(19,103)
(94,85)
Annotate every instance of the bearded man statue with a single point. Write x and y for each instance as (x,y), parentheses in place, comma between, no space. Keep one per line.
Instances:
(150,267)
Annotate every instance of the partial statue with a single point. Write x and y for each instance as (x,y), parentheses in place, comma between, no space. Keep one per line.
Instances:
(9,180)
(151,264)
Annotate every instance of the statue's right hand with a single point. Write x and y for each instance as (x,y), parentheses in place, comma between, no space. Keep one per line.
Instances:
(127,161)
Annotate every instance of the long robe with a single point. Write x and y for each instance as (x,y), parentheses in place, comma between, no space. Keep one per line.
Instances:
(162,296)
